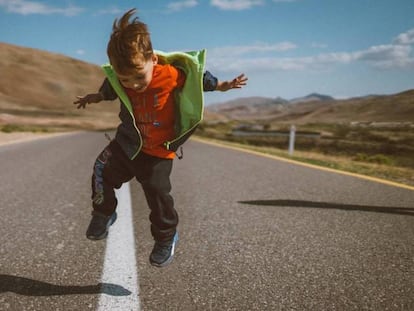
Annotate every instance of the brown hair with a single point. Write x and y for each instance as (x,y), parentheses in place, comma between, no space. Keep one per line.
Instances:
(130,43)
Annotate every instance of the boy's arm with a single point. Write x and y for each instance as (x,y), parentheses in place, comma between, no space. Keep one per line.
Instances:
(211,83)
(236,83)
(106,92)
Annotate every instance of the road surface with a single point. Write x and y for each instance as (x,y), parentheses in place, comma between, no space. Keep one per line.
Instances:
(255,234)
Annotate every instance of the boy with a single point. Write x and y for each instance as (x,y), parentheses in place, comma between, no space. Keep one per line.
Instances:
(153,88)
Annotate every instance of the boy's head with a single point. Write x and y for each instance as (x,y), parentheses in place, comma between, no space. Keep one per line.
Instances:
(130,52)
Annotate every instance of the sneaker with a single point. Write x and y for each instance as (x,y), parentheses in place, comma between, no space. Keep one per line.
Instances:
(99,225)
(163,252)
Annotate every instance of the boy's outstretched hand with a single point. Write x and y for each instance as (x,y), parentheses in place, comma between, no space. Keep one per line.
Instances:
(88,99)
(236,83)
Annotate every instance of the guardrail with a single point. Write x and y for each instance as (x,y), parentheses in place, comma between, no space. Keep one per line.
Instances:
(292,134)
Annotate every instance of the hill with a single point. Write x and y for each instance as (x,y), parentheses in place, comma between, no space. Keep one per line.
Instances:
(249,108)
(311,97)
(316,108)
(37,89)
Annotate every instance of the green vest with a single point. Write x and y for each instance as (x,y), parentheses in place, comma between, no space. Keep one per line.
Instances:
(189,100)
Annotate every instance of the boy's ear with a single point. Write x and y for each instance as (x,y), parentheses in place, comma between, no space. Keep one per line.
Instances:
(154,58)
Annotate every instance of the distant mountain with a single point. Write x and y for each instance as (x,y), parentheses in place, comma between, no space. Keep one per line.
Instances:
(254,102)
(261,107)
(311,97)
(249,106)
(320,108)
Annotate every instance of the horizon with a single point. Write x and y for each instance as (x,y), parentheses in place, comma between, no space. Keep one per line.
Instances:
(287,48)
(291,100)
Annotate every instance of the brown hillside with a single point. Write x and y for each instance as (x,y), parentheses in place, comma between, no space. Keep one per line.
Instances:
(387,108)
(381,108)
(38,88)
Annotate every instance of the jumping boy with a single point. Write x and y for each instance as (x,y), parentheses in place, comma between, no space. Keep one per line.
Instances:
(161,105)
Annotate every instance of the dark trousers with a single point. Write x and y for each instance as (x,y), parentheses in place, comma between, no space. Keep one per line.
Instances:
(113,168)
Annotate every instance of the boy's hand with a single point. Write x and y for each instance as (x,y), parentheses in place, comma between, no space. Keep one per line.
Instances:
(88,99)
(236,83)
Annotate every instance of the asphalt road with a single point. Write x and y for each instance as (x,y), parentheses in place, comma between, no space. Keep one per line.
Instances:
(255,234)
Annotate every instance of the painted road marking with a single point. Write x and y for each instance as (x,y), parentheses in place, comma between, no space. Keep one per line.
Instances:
(120,267)
(321,168)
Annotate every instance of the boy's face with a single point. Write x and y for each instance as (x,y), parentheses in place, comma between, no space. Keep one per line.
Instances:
(139,77)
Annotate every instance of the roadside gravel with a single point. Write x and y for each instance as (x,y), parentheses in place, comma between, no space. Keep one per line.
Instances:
(16,137)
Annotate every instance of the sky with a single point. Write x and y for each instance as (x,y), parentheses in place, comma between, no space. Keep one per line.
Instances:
(287,48)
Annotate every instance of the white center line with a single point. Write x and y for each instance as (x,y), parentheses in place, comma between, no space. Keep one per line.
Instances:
(120,277)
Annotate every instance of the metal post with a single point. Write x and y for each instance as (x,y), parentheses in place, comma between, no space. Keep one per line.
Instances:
(292,139)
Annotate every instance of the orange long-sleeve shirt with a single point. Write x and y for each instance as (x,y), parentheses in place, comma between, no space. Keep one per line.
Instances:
(154,110)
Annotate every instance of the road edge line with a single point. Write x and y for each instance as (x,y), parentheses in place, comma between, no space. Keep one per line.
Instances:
(322,168)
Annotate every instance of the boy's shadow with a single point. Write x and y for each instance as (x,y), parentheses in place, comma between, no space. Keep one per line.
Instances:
(29,287)
(325,205)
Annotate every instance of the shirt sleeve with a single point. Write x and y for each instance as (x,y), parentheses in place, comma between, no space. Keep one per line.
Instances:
(209,82)
(107,90)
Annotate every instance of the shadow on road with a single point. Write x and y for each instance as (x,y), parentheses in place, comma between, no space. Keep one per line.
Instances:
(349,207)
(29,287)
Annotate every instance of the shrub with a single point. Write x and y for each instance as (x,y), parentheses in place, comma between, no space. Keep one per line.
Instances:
(376,158)
(10,128)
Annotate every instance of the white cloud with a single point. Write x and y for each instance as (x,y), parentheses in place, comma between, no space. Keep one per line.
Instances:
(230,5)
(318,45)
(383,52)
(110,11)
(235,5)
(25,7)
(386,57)
(80,52)
(255,48)
(405,38)
(261,64)
(380,56)
(180,5)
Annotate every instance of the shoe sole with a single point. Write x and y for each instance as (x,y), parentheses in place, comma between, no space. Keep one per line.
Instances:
(105,234)
(170,259)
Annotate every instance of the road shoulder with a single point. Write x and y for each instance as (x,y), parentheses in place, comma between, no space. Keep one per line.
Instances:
(18,137)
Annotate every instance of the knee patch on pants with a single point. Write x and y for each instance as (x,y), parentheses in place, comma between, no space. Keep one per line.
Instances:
(97,180)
